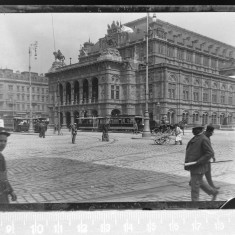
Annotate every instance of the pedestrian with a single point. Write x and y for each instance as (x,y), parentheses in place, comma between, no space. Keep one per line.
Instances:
(43,128)
(55,128)
(74,132)
(209,132)
(135,128)
(105,135)
(5,186)
(178,135)
(198,153)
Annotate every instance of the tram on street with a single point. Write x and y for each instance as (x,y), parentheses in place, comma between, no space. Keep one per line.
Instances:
(91,123)
(22,124)
(121,123)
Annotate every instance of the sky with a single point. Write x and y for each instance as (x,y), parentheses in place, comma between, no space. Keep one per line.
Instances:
(19,30)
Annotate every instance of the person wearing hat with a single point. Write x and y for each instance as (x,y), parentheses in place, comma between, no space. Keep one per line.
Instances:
(208,133)
(5,186)
(198,154)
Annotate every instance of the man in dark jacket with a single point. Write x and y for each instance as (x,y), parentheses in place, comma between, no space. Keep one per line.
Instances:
(199,152)
(208,133)
(5,186)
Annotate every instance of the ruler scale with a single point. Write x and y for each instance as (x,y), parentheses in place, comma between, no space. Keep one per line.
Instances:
(118,222)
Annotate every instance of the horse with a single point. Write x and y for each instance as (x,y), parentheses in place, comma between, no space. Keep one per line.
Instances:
(58,55)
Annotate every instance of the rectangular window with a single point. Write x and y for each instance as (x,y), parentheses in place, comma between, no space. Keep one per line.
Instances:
(33,97)
(42,98)
(150,91)
(22,96)
(1,86)
(28,107)
(18,106)
(170,51)
(18,88)
(43,108)
(206,61)
(180,54)
(27,89)
(117,92)
(230,100)
(205,97)
(222,98)
(22,88)
(160,48)
(32,89)
(10,87)
(189,56)
(214,97)
(38,89)
(196,95)
(185,93)
(171,91)
(42,90)
(1,96)
(18,96)
(112,91)
(213,63)
(38,107)
(23,106)
(197,59)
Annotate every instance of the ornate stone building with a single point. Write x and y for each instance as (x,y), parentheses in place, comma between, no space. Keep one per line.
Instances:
(14,95)
(189,76)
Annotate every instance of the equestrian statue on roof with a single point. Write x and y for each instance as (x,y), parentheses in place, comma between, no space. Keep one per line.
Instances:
(58,55)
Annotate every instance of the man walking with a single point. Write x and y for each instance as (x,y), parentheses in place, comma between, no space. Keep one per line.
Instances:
(198,154)
(5,187)
(74,132)
(208,133)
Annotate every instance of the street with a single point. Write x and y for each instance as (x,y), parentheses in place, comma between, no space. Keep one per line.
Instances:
(125,169)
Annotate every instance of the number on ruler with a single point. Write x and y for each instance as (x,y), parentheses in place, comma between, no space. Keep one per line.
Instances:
(10,229)
(219,225)
(128,227)
(174,226)
(82,228)
(37,228)
(58,228)
(105,228)
(196,225)
(151,227)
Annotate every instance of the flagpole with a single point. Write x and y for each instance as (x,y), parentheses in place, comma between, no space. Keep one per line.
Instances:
(146,131)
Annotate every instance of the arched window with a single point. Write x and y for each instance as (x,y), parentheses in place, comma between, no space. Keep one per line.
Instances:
(222,117)
(213,118)
(195,117)
(185,116)
(115,112)
(204,118)
(230,119)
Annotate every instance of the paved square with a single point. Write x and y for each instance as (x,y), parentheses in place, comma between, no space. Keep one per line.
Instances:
(124,169)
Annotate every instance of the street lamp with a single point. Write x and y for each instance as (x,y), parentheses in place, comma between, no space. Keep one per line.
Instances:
(32,46)
(146,131)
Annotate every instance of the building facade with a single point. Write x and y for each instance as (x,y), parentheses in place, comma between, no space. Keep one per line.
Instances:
(15,96)
(190,77)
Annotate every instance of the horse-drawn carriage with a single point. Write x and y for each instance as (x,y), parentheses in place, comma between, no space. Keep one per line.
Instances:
(163,133)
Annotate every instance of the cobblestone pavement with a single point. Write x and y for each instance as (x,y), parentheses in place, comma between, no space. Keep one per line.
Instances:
(127,168)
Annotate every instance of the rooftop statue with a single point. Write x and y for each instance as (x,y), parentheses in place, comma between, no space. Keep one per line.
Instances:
(58,55)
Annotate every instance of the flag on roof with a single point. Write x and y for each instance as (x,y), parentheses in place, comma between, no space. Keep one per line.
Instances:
(126,29)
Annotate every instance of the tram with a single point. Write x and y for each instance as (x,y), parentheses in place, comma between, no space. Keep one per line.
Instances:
(22,124)
(91,123)
(121,123)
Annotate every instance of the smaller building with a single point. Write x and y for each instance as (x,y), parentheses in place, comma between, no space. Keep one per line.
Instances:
(15,95)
